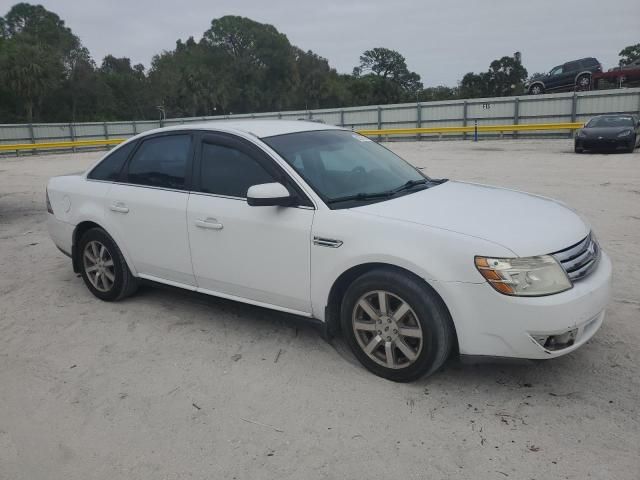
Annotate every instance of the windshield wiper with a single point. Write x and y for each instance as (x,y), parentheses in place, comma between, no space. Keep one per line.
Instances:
(410,184)
(361,196)
(371,196)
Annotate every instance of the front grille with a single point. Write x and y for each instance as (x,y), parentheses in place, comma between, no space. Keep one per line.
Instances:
(580,259)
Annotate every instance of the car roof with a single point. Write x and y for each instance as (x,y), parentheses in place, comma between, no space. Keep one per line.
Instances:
(256,128)
(590,59)
(616,115)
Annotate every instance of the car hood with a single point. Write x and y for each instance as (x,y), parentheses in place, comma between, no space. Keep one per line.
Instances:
(605,132)
(524,223)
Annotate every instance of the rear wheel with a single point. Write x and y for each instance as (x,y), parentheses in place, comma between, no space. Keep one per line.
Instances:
(583,82)
(396,326)
(103,268)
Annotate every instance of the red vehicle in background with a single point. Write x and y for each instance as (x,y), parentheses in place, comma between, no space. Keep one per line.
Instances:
(625,75)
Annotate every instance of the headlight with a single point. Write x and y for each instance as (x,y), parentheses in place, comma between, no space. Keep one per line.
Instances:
(525,277)
(626,133)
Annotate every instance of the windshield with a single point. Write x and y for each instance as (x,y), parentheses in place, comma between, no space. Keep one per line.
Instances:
(340,165)
(617,121)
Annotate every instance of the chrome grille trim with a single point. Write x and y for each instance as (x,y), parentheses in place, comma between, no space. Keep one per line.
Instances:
(580,259)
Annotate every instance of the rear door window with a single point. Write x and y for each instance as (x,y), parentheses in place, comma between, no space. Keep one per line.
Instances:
(161,162)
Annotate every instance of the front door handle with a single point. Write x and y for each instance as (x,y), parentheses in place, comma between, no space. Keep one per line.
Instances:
(210,223)
(119,207)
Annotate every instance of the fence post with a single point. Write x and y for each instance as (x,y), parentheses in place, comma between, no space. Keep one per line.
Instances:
(574,111)
(72,135)
(475,130)
(310,115)
(418,119)
(516,114)
(135,127)
(342,118)
(106,131)
(379,117)
(464,119)
(279,115)
(33,137)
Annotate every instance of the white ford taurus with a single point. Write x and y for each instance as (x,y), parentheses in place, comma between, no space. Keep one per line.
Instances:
(321,222)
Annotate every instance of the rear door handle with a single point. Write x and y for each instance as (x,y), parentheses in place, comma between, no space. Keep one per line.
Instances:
(210,223)
(119,207)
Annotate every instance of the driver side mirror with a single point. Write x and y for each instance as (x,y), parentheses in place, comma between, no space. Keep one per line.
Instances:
(269,195)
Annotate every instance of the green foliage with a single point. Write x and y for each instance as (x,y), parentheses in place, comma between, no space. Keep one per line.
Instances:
(389,79)
(238,66)
(30,73)
(260,60)
(191,80)
(629,54)
(441,92)
(35,58)
(505,77)
(316,84)
(125,88)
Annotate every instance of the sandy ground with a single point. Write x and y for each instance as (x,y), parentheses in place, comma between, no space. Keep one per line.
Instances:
(172,385)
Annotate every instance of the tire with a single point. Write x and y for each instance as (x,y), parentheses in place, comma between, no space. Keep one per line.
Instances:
(428,337)
(578,149)
(583,82)
(103,268)
(536,89)
(631,147)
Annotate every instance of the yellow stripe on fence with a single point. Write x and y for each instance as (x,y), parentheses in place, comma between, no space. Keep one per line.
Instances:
(370,133)
(471,129)
(53,145)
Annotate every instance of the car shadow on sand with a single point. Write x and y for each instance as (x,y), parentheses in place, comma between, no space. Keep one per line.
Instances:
(460,373)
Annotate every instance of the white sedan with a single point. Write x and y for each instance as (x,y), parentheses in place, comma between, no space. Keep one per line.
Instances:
(321,222)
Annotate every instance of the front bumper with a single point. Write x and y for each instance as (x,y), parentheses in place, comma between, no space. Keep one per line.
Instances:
(489,323)
(604,143)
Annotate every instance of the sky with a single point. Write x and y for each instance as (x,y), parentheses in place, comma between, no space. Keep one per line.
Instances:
(441,40)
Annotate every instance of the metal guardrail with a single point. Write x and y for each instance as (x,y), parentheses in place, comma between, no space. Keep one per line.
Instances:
(472,128)
(458,115)
(17,147)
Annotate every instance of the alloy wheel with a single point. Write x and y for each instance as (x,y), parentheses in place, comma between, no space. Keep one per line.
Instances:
(584,82)
(387,329)
(99,266)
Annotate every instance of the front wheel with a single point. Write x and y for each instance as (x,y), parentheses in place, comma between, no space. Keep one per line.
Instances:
(103,268)
(536,89)
(578,149)
(396,326)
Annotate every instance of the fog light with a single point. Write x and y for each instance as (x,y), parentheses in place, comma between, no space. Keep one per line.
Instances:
(556,342)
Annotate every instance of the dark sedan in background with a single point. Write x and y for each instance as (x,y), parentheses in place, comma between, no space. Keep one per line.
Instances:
(610,132)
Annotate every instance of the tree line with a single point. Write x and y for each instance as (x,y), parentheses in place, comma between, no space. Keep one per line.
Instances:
(238,66)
